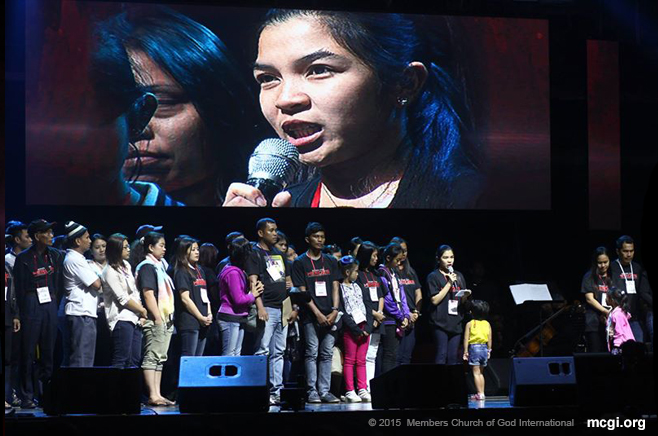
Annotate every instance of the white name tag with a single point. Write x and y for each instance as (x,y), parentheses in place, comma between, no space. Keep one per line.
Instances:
(452,307)
(630,286)
(320,289)
(373,294)
(204,295)
(43,294)
(275,272)
(358,317)
(604,300)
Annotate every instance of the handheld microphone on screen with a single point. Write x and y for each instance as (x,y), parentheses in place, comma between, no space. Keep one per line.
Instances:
(272,167)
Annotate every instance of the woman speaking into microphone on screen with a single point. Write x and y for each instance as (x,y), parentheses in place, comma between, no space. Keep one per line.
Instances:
(372,111)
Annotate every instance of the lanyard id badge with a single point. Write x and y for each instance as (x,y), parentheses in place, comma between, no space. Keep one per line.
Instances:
(204,295)
(320,289)
(452,307)
(43,294)
(630,284)
(274,270)
(358,317)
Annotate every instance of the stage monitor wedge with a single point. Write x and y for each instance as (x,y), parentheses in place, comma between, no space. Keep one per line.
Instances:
(420,386)
(97,390)
(223,384)
(542,381)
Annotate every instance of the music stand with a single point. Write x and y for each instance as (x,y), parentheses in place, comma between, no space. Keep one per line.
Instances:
(533,295)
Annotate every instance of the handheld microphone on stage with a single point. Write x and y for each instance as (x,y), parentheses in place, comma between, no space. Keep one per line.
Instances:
(451,270)
(272,166)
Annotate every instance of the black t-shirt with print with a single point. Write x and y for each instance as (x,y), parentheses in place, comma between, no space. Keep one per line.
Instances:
(192,281)
(275,287)
(366,280)
(308,272)
(598,287)
(409,281)
(439,315)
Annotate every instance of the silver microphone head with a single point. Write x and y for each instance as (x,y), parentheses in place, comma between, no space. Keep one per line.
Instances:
(451,269)
(275,160)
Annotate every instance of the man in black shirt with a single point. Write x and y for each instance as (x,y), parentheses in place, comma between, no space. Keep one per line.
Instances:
(632,277)
(267,265)
(39,286)
(318,274)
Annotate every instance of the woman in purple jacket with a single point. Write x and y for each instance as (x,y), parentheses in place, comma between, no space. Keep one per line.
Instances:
(395,306)
(235,298)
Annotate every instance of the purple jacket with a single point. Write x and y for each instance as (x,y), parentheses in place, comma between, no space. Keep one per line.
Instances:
(395,313)
(234,296)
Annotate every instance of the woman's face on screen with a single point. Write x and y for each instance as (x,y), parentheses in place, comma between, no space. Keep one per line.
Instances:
(318,95)
(173,149)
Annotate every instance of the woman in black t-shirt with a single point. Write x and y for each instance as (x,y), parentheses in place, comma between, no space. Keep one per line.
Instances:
(596,284)
(373,298)
(447,310)
(194,314)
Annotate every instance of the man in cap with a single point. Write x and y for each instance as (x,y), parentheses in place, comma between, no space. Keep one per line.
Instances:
(146,228)
(82,285)
(38,282)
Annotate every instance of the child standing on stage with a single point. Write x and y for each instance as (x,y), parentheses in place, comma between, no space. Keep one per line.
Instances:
(359,322)
(617,325)
(477,344)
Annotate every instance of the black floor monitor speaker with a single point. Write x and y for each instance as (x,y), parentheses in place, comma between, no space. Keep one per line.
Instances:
(608,383)
(97,390)
(223,384)
(420,386)
(542,381)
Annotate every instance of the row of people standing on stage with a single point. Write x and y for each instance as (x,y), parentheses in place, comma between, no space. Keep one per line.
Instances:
(142,301)
(605,286)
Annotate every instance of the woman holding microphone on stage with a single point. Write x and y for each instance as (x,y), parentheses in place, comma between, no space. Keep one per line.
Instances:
(447,306)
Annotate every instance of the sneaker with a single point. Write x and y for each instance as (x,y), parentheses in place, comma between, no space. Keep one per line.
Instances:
(313,397)
(28,404)
(477,397)
(329,398)
(364,395)
(352,397)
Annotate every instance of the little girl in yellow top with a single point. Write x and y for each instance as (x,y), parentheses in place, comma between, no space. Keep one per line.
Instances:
(477,344)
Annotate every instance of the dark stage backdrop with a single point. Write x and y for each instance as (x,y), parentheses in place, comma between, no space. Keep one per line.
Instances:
(518,243)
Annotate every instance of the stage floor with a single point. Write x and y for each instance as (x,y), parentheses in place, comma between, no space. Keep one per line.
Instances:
(489,403)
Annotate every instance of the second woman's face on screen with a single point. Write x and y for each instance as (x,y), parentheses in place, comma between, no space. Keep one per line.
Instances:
(173,147)
(318,95)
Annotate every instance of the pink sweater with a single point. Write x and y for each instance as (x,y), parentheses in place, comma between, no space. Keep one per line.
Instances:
(619,328)
(234,295)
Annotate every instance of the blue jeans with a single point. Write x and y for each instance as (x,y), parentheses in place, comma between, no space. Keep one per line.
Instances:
(406,348)
(317,357)
(126,345)
(232,335)
(271,342)
(83,340)
(193,342)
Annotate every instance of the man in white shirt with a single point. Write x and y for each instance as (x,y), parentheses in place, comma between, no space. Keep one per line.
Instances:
(82,285)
